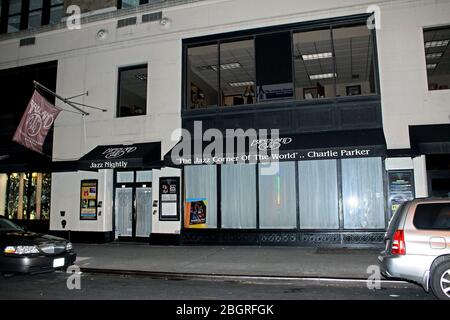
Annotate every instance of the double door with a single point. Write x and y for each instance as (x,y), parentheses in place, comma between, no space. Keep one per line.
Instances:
(133,204)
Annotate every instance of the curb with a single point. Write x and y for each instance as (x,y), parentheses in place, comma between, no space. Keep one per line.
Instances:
(229,277)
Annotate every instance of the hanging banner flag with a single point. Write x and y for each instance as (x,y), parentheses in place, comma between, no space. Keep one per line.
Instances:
(36,122)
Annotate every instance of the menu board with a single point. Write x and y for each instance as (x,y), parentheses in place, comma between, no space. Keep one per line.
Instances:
(169,204)
(401,188)
(88,202)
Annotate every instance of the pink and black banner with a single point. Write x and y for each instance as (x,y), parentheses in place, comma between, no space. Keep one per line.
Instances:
(36,122)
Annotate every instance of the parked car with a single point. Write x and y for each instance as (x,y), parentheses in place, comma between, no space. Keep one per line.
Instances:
(418,245)
(28,252)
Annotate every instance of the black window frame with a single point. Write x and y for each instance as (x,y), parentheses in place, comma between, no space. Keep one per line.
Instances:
(127,68)
(346,21)
(25,13)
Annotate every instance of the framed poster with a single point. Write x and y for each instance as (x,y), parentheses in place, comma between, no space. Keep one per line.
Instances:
(88,199)
(169,199)
(195,213)
(401,188)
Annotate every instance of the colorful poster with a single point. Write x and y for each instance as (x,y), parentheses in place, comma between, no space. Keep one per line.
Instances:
(195,213)
(88,205)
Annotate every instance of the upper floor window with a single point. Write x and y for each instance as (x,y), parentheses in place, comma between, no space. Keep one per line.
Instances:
(333,61)
(19,15)
(437,54)
(123,4)
(132,95)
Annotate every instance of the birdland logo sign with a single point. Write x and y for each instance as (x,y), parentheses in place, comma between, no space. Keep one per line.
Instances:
(36,122)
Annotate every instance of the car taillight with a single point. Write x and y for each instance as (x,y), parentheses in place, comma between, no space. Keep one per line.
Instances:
(398,243)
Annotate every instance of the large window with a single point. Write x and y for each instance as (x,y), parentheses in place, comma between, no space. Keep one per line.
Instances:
(28,14)
(25,195)
(238,196)
(437,54)
(277,198)
(301,64)
(318,194)
(132,100)
(362,191)
(201,183)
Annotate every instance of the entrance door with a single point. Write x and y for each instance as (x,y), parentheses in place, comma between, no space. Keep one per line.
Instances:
(133,204)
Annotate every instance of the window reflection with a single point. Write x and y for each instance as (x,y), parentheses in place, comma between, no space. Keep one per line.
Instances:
(202,76)
(237,74)
(314,68)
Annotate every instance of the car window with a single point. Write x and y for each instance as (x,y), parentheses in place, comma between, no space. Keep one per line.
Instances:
(432,216)
(395,220)
(6,225)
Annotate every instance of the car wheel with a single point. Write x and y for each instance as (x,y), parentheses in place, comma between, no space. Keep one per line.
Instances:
(440,281)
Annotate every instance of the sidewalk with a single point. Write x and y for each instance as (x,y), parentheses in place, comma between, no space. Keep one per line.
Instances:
(228,260)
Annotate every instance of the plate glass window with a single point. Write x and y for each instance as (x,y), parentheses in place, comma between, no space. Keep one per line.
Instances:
(132,99)
(437,55)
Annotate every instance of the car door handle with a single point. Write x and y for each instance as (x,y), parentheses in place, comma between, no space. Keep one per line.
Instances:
(438,243)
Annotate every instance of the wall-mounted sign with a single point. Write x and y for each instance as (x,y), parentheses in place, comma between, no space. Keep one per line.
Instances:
(169,203)
(401,188)
(195,213)
(88,200)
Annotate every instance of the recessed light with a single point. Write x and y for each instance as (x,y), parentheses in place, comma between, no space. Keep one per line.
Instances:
(431,66)
(322,76)
(437,43)
(142,77)
(241,84)
(225,66)
(316,56)
(434,55)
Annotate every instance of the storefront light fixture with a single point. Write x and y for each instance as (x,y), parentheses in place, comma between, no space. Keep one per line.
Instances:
(225,66)
(317,56)
(431,66)
(437,43)
(241,84)
(434,55)
(322,76)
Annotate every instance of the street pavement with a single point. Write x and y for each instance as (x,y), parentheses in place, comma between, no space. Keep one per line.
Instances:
(229,260)
(53,286)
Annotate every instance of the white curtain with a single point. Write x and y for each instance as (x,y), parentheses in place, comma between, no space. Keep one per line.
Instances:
(362,188)
(238,196)
(318,194)
(201,182)
(277,198)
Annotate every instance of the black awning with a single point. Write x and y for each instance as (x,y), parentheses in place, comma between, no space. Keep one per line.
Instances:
(430,139)
(133,156)
(305,146)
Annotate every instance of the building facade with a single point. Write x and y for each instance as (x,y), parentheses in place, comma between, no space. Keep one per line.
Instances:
(358,93)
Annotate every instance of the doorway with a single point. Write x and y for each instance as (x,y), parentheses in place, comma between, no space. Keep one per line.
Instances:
(133,204)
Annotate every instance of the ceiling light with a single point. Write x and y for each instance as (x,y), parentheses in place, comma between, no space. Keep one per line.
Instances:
(431,66)
(241,84)
(434,55)
(316,56)
(142,77)
(322,76)
(437,43)
(225,66)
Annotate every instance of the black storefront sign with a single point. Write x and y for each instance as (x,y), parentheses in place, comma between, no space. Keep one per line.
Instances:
(139,155)
(169,199)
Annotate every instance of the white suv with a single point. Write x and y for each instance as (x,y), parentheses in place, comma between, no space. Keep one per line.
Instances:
(418,245)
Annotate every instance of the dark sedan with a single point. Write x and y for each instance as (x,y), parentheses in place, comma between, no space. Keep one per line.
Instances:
(28,252)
